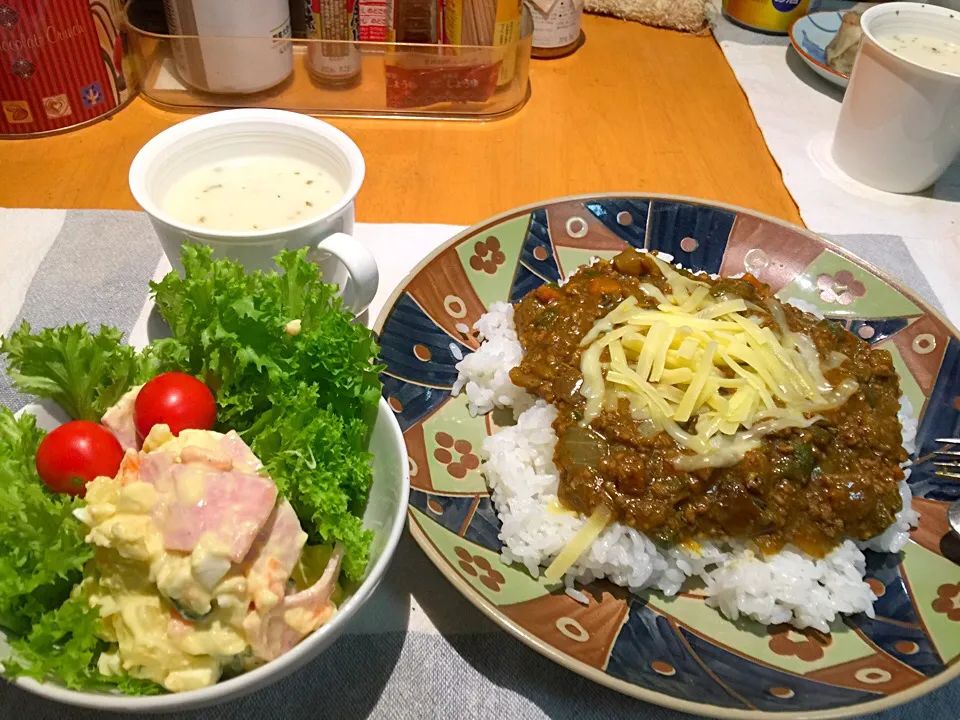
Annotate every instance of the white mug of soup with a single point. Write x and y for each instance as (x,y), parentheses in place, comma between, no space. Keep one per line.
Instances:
(899,126)
(251,183)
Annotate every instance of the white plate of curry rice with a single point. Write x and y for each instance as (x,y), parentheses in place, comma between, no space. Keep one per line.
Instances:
(672,445)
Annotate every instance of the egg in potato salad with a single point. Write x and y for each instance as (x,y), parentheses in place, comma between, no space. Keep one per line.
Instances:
(195,555)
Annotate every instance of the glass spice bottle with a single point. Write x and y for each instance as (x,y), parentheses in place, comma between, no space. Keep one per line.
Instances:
(556,27)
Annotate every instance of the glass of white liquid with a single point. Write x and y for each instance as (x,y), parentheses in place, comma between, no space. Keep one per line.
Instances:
(899,129)
(251,183)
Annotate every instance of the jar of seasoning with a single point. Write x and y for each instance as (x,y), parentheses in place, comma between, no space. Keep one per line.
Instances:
(556,27)
(335,64)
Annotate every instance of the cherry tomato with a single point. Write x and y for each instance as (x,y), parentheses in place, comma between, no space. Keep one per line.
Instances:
(175,399)
(75,453)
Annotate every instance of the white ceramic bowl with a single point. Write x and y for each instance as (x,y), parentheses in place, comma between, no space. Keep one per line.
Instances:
(230,134)
(385,515)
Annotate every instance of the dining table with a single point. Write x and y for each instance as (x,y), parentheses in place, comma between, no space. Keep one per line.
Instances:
(636,109)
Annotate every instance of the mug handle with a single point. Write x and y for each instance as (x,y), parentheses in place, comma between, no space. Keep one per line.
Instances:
(361,267)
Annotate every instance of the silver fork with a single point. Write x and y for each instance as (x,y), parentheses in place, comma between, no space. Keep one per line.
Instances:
(946,459)
(947,462)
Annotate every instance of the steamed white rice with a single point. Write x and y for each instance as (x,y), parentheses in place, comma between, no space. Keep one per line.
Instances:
(790,587)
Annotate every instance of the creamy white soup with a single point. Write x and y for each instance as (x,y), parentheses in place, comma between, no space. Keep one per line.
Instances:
(259,192)
(932,52)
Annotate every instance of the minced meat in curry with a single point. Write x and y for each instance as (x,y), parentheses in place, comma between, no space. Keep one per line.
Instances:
(810,487)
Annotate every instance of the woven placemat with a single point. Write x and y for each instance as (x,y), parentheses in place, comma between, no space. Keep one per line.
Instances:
(687,15)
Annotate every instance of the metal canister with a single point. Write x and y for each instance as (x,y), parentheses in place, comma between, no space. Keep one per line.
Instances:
(768,16)
(63,64)
(239,47)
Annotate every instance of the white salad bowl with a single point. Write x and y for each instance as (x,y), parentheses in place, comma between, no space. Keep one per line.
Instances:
(385,516)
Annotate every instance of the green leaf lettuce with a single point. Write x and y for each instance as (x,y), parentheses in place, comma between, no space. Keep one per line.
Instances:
(303,395)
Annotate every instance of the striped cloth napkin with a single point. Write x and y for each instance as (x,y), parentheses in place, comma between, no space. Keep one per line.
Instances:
(417,649)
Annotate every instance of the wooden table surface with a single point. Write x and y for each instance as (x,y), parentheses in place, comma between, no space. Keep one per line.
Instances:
(635,109)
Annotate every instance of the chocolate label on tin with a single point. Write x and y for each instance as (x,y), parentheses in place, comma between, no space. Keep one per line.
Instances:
(8,17)
(62,64)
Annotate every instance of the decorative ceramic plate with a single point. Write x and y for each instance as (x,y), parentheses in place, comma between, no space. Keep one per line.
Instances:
(676,651)
(810,36)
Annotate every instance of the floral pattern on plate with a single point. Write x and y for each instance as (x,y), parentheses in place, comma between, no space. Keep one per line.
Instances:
(677,651)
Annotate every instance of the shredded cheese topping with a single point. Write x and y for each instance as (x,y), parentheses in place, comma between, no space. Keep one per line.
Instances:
(705,358)
(584,538)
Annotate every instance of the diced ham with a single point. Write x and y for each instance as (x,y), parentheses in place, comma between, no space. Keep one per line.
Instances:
(119,419)
(194,499)
(242,455)
(273,556)
(216,459)
(279,630)
(155,468)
